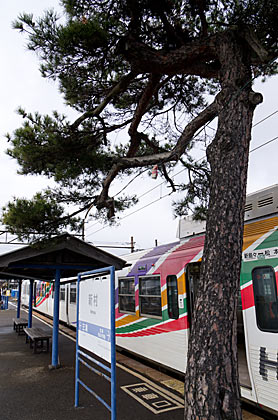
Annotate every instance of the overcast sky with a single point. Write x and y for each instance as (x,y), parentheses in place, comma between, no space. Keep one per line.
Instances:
(22,85)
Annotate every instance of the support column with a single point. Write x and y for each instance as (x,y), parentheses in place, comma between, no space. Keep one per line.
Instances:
(30,303)
(19,299)
(55,331)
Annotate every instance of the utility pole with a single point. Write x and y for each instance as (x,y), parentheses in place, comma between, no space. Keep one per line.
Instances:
(132,244)
(83,222)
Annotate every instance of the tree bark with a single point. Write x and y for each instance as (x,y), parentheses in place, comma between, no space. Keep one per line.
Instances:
(212,388)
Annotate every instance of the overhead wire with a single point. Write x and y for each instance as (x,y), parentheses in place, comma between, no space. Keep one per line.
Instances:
(147,192)
(264,119)
(130,214)
(166,195)
(264,144)
(182,170)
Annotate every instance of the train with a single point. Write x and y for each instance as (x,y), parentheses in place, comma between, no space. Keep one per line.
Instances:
(155,291)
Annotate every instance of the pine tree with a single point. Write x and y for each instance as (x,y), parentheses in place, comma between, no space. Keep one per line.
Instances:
(131,67)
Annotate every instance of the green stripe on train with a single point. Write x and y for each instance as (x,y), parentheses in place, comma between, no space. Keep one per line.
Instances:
(270,242)
(148,322)
(144,323)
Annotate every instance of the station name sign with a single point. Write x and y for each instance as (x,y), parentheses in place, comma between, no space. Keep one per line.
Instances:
(94,326)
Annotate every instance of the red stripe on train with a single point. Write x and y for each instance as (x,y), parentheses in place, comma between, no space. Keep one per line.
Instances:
(247,297)
(180,257)
(176,325)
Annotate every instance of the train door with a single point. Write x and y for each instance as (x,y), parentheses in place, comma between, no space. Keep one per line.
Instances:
(46,297)
(243,369)
(72,304)
(63,303)
(192,280)
(263,335)
(35,293)
(51,301)
(24,292)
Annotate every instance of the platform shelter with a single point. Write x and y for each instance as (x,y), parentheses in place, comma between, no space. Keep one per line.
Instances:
(60,257)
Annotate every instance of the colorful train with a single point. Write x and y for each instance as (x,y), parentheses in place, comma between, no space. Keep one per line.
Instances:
(155,294)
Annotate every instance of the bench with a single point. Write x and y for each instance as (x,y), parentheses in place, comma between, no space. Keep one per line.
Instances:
(19,324)
(38,336)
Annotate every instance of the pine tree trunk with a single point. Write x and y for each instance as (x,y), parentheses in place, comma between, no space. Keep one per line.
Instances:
(211,382)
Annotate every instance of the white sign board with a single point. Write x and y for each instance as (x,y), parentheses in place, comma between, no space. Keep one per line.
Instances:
(94,328)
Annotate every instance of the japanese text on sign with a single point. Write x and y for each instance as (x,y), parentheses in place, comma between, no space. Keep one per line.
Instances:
(94,316)
(260,254)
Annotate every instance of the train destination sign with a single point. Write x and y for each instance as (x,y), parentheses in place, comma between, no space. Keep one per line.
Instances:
(260,254)
(94,326)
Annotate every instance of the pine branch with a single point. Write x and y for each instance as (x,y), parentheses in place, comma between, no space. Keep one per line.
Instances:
(120,87)
(184,140)
(195,58)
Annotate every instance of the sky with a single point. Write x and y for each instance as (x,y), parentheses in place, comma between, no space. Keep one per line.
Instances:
(22,85)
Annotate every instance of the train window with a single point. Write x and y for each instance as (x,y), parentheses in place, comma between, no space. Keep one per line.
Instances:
(127,295)
(62,293)
(266,302)
(73,293)
(47,289)
(150,296)
(172,296)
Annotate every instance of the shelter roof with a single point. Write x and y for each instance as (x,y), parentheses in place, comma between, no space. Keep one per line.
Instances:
(41,259)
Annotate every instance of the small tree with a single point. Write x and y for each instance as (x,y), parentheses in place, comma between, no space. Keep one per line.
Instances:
(135,66)
(28,218)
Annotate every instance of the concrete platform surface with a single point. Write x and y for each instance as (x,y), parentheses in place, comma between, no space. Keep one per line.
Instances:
(30,391)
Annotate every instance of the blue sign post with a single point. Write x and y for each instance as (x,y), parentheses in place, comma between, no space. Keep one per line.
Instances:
(95,330)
